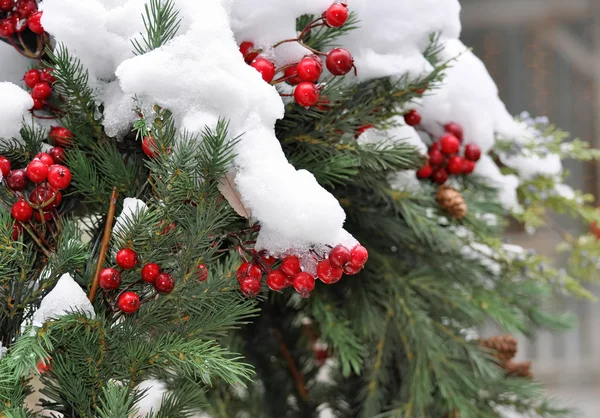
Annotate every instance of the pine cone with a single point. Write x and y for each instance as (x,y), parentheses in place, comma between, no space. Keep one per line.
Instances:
(505,347)
(522,369)
(452,201)
(453,414)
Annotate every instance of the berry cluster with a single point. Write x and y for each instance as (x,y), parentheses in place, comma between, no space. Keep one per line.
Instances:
(307,72)
(40,82)
(444,154)
(19,15)
(151,273)
(48,179)
(289,273)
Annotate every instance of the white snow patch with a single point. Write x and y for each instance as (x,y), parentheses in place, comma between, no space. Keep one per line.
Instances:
(152,401)
(131,208)
(66,297)
(506,184)
(14,105)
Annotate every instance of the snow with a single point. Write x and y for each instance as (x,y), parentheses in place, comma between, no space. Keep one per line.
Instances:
(393,34)
(506,184)
(12,64)
(14,105)
(152,401)
(66,297)
(131,208)
(3,350)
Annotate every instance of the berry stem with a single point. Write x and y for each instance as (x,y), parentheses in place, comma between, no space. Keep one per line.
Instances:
(36,239)
(105,241)
(310,26)
(300,385)
(30,54)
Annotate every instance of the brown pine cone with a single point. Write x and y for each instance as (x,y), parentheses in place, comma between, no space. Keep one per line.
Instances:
(452,201)
(522,369)
(505,347)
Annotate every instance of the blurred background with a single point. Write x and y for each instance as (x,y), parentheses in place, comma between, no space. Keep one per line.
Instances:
(545,58)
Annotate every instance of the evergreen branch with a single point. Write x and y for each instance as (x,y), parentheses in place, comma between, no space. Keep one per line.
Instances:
(162,22)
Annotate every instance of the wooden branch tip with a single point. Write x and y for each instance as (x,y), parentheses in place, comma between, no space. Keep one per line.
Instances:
(105,242)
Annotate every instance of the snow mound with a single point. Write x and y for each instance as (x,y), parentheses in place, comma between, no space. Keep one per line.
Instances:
(131,207)
(66,297)
(14,105)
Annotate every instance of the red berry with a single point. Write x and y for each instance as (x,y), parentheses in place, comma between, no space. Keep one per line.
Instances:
(46,75)
(17,231)
(291,74)
(44,366)
(129,302)
(435,146)
(436,157)
(265,67)
(149,147)
(164,283)
(455,129)
(412,118)
(22,211)
(472,152)
(7,28)
(468,166)
(359,255)
(59,176)
(304,283)
(37,104)
(16,180)
(57,154)
(336,15)
(339,61)
(26,8)
(109,279)
(425,172)
(450,144)
(310,69)
(306,94)
(4,166)
(20,24)
(202,272)
(127,258)
(328,273)
(45,158)
(150,272)
(6,5)
(248,270)
(250,286)
(31,78)
(268,259)
(46,214)
(290,265)
(60,136)
(248,51)
(45,196)
(362,129)
(41,91)
(34,23)
(455,165)
(276,280)
(352,269)
(440,176)
(37,171)
(339,256)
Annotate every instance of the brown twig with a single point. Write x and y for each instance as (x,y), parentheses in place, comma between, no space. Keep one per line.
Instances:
(105,241)
(300,385)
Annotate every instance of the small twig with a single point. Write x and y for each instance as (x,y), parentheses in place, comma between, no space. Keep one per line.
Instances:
(36,239)
(300,385)
(105,241)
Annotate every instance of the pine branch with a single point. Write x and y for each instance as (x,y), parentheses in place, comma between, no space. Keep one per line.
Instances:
(161,22)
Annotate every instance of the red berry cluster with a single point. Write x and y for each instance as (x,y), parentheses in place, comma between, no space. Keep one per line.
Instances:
(151,273)
(40,82)
(48,179)
(307,72)
(289,273)
(19,15)
(444,154)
